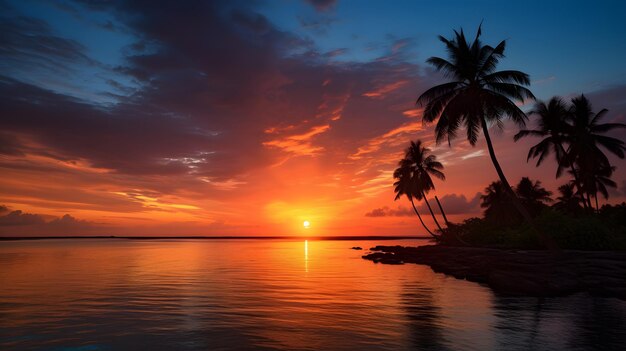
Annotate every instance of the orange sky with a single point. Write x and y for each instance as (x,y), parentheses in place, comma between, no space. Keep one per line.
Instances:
(233,128)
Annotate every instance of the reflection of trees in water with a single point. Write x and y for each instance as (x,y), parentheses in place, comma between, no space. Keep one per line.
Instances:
(598,324)
(424,316)
(519,322)
(574,323)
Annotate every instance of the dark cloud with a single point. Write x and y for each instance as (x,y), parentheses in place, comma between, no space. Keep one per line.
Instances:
(3,209)
(67,221)
(390,212)
(451,203)
(454,204)
(19,218)
(27,42)
(208,91)
(322,5)
(28,224)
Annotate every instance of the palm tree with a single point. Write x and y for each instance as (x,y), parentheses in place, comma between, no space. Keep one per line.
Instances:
(596,182)
(532,194)
(498,205)
(423,166)
(476,96)
(569,201)
(585,140)
(553,128)
(443,214)
(406,185)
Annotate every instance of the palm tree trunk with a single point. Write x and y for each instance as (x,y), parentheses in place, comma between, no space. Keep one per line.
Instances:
(574,173)
(422,221)
(547,241)
(431,212)
(597,208)
(445,218)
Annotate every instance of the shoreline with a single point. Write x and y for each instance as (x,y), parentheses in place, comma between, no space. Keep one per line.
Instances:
(519,272)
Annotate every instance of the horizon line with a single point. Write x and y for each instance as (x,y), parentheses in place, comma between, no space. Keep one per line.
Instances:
(201,237)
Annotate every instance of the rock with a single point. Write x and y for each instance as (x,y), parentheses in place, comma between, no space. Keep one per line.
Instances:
(357,248)
(522,273)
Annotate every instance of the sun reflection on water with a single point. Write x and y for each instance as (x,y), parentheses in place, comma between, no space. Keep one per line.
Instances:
(306,256)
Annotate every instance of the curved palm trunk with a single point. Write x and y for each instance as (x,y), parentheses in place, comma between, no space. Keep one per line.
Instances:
(431,212)
(445,218)
(547,241)
(422,221)
(597,208)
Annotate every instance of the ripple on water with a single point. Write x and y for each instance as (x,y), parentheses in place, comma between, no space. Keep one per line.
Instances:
(274,295)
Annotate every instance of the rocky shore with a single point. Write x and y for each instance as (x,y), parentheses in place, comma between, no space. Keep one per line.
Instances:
(517,272)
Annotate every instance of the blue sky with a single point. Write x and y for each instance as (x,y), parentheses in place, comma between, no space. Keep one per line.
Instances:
(566,46)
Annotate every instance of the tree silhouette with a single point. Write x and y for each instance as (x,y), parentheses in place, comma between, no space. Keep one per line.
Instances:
(499,207)
(586,137)
(476,96)
(553,128)
(414,177)
(533,195)
(423,166)
(569,201)
(406,185)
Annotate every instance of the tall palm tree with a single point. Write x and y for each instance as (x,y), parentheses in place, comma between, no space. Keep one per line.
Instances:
(586,139)
(423,166)
(406,185)
(476,96)
(556,133)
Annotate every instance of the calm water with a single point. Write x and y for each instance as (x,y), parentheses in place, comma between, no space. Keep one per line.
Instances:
(270,295)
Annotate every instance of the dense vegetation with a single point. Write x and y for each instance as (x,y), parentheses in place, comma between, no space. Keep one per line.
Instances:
(565,220)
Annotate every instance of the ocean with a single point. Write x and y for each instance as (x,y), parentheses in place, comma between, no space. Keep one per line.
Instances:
(280,294)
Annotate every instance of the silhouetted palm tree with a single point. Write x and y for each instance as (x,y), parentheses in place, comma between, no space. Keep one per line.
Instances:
(569,201)
(532,194)
(596,181)
(423,166)
(476,95)
(553,128)
(406,185)
(498,204)
(586,138)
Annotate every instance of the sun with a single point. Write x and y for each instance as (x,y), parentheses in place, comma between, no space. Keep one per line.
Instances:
(306,224)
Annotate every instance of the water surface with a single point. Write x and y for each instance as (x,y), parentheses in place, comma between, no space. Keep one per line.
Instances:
(271,295)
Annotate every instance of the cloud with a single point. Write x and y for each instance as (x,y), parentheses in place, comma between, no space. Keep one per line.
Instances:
(454,204)
(390,212)
(322,5)
(18,218)
(207,121)
(29,224)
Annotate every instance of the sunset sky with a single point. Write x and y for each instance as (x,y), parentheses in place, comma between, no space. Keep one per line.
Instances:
(250,117)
